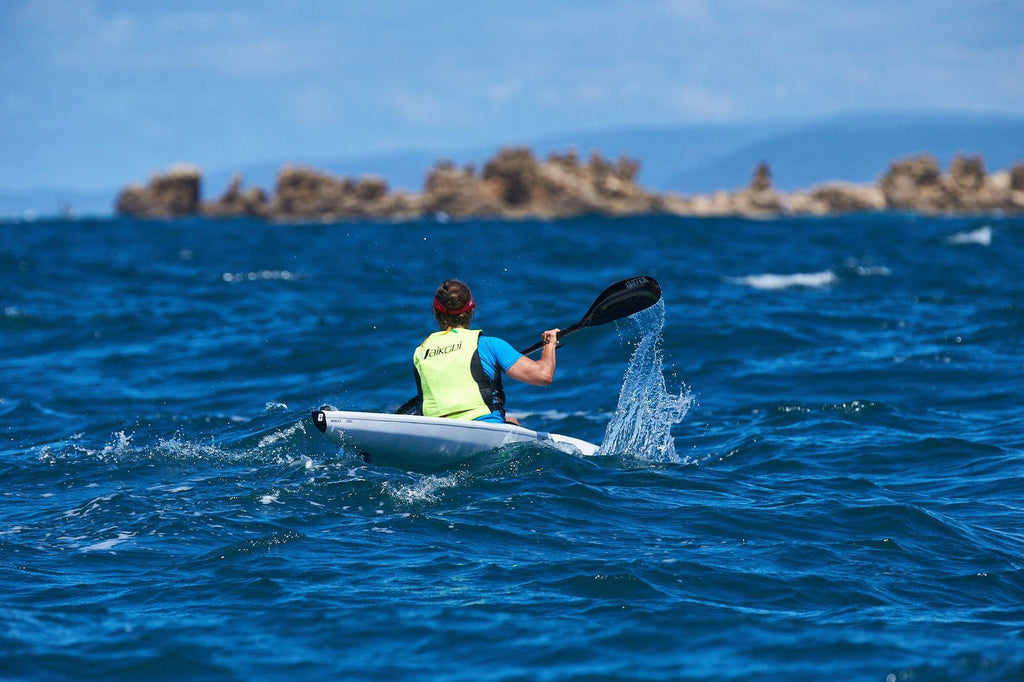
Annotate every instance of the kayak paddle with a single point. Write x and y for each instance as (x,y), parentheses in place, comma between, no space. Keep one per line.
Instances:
(620,300)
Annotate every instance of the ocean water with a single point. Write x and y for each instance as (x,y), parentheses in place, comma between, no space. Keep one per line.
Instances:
(812,461)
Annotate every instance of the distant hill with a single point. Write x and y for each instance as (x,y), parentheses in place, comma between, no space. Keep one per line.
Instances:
(692,159)
(664,152)
(698,159)
(857,148)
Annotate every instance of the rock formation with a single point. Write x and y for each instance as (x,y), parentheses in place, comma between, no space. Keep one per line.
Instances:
(1017,178)
(917,184)
(760,198)
(170,195)
(306,194)
(456,192)
(515,184)
(235,202)
(838,198)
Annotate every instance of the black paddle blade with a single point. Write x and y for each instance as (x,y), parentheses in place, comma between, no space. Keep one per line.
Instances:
(623,299)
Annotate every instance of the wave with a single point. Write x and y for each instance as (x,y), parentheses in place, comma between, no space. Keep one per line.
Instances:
(772,282)
(855,267)
(981,236)
(427,489)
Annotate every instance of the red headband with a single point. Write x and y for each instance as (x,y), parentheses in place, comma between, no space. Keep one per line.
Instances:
(441,310)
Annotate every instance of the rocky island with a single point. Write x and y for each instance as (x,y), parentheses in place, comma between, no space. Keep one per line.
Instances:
(514,184)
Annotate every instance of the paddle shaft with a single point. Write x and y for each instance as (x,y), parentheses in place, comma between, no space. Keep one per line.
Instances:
(561,334)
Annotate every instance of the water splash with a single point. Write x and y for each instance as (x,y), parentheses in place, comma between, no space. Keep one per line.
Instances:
(643,420)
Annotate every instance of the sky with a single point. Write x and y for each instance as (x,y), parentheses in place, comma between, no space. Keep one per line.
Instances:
(97,93)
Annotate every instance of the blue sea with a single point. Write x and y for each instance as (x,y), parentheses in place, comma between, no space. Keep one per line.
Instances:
(812,461)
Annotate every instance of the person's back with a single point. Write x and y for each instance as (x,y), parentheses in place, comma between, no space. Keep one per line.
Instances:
(458,371)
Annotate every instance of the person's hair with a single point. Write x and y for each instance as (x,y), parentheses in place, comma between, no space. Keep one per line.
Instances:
(453,295)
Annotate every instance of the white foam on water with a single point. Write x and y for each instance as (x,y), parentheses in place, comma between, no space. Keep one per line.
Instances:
(772,282)
(260,275)
(643,420)
(867,270)
(88,507)
(982,237)
(109,544)
(424,490)
(119,446)
(873,271)
(179,447)
(282,434)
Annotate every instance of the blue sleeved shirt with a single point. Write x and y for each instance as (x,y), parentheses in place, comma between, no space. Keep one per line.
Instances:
(495,352)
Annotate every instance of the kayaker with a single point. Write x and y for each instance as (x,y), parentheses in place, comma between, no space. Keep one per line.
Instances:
(458,370)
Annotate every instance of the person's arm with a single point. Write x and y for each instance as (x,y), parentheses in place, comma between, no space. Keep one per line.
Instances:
(537,372)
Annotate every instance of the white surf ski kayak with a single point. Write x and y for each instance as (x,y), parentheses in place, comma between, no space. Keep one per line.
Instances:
(413,440)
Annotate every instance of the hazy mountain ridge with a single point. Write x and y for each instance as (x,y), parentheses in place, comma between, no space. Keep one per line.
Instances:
(859,149)
(691,159)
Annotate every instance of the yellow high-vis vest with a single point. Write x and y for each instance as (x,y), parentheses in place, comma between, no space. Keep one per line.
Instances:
(451,376)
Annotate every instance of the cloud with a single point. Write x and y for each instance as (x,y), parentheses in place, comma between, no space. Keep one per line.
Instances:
(255,78)
(313,106)
(694,102)
(504,91)
(420,108)
(690,12)
(46,14)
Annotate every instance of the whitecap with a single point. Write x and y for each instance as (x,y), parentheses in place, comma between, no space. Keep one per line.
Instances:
(109,544)
(857,268)
(177,447)
(424,490)
(982,237)
(281,434)
(88,507)
(271,498)
(873,271)
(771,282)
(260,275)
